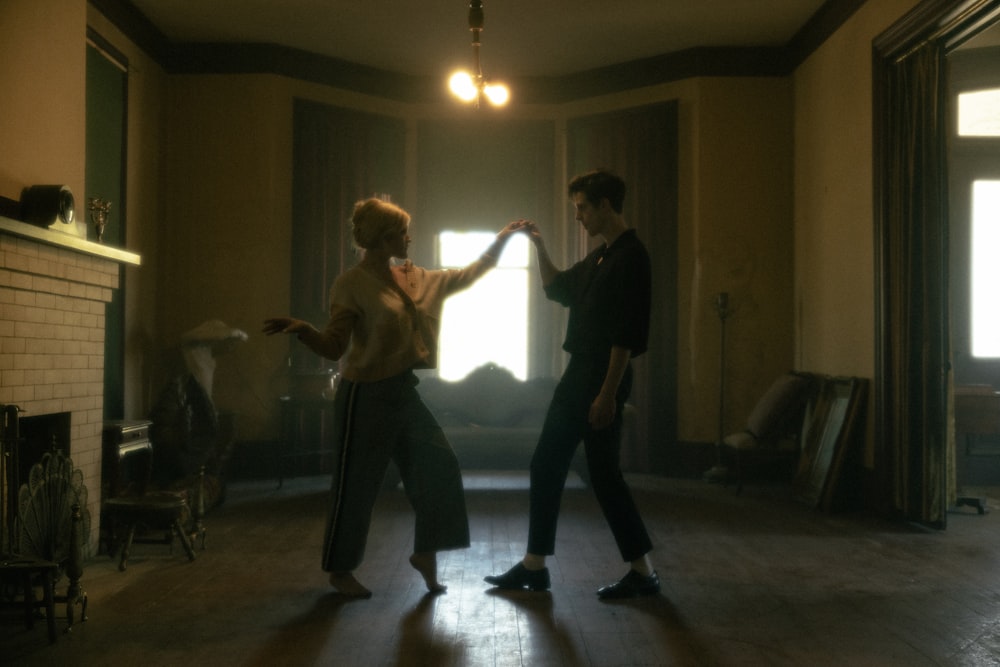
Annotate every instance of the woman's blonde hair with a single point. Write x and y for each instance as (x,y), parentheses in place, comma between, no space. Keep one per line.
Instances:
(374,219)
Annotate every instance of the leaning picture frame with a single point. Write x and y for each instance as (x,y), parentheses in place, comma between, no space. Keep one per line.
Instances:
(828,440)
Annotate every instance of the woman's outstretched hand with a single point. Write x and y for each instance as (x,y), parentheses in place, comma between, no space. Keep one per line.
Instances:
(287,325)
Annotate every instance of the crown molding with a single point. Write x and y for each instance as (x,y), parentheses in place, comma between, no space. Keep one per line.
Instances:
(124,16)
(255,58)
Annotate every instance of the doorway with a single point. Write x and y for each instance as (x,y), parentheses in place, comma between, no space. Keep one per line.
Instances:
(974,235)
(913,440)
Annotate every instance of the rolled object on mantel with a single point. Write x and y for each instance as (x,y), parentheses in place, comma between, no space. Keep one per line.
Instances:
(45,205)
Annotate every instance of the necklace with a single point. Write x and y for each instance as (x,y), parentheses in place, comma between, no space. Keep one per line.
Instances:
(407,270)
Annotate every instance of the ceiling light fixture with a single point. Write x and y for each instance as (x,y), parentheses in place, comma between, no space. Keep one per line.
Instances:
(471,87)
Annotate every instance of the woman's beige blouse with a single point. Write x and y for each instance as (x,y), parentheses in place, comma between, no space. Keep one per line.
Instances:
(383,332)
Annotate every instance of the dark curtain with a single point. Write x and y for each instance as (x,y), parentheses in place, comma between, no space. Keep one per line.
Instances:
(641,146)
(339,157)
(912,295)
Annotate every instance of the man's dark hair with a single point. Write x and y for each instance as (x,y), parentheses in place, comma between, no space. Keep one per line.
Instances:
(600,184)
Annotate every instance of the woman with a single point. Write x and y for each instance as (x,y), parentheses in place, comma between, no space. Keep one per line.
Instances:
(386,318)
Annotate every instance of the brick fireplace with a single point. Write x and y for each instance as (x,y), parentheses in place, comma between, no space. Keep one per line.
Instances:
(54,289)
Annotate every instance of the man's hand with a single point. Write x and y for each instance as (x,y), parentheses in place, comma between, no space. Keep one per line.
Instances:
(602,412)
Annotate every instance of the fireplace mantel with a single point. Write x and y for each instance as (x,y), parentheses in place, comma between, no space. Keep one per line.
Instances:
(68,241)
(54,292)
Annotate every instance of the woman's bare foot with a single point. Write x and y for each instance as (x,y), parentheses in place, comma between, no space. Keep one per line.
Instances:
(426,564)
(346,584)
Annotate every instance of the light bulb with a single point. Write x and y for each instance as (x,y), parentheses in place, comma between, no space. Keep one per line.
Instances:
(497,94)
(462,86)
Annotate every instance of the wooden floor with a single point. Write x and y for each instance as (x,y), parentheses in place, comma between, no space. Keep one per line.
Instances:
(753,579)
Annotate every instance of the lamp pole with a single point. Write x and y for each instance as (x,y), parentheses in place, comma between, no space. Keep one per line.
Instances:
(719,472)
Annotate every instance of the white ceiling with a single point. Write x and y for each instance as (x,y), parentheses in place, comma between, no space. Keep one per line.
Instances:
(521,37)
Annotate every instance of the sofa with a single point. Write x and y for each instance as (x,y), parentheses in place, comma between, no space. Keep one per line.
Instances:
(491,418)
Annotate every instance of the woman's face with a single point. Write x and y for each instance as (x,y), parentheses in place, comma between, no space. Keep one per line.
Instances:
(397,243)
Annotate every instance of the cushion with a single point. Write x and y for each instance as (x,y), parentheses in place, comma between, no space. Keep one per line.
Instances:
(785,396)
(741,440)
(491,396)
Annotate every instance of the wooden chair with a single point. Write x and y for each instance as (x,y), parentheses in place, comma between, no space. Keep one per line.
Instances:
(164,514)
(27,573)
(53,522)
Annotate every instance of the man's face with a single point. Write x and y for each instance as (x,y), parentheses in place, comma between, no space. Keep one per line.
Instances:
(591,217)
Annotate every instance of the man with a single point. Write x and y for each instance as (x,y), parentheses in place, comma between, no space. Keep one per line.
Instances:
(608,295)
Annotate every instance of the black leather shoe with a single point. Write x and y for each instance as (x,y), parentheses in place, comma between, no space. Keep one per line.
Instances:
(631,585)
(520,577)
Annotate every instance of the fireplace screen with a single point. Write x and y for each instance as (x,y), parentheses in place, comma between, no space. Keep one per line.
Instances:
(24,441)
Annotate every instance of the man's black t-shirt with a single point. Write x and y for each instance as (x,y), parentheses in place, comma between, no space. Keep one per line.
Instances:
(608,294)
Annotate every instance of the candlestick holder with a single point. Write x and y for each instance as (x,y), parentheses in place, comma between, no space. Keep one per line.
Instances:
(99,211)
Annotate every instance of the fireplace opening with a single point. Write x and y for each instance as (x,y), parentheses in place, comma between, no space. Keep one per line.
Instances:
(40,434)
(25,439)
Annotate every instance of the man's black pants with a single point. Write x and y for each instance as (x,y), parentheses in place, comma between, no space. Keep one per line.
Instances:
(566,424)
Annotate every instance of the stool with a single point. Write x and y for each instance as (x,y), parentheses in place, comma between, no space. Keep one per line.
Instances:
(157,510)
(26,569)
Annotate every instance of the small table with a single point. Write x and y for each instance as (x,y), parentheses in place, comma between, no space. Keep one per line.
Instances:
(977,413)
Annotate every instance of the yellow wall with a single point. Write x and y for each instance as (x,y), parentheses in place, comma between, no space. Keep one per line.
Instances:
(834,232)
(834,213)
(741,244)
(227,231)
(42,76)
(775,205)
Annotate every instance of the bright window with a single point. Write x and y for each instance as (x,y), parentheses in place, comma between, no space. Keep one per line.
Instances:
(985,268)
(979,113)
(487,323)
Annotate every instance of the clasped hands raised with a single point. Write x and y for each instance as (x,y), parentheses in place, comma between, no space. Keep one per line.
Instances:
(523,225)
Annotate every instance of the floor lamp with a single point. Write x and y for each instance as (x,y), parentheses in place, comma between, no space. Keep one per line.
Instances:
(719,472)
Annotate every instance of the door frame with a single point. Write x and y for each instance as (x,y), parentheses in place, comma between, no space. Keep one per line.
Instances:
(911,454)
